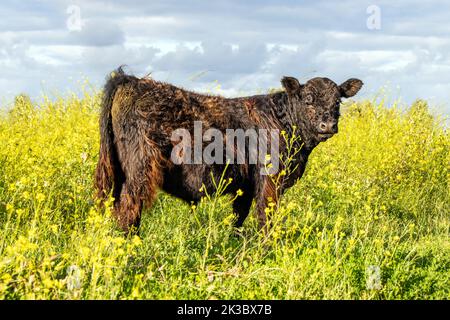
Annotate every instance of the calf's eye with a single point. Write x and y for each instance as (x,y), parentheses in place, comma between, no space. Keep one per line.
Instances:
(309,98)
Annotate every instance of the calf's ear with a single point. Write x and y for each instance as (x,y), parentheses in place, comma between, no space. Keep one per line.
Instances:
(290,84)
(350,87)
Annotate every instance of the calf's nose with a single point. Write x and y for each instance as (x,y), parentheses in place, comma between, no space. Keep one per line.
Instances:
(328,127)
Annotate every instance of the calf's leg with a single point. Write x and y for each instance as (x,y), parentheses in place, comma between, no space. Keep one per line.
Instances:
(143,178)
(267,194)
(241,208)
(128,209)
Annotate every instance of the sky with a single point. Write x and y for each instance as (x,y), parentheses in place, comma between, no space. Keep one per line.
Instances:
(397,48)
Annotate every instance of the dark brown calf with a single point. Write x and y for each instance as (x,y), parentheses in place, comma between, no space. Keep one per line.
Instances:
(139,116)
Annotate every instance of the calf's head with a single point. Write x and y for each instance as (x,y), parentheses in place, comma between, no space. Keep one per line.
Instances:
(316,103)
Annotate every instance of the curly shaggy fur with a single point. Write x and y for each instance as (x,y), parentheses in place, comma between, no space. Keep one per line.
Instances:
(138,117)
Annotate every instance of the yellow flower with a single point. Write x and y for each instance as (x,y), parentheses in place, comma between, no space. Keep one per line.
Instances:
(118,241)
(239,192)
(135,293)
(6,277)
(136,241)
(24,180)
(9,207)
(40,197)
(291,206)
(48,283)
(54,228)
(228,220)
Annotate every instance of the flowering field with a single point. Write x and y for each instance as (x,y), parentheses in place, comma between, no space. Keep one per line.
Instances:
(369,220)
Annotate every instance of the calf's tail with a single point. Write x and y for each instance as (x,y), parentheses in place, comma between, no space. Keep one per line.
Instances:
(109,174)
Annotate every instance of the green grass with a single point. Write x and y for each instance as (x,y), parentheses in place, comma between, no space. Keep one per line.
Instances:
(374,197)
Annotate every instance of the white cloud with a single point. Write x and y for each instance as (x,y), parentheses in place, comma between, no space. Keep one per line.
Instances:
(247,46)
